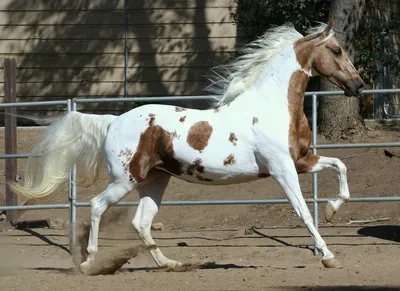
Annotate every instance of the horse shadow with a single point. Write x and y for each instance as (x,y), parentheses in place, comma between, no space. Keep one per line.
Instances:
(387,232)
(184,268)
(342,288)
(191,267)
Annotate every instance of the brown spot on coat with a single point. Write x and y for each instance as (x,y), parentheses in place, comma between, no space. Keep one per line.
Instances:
(255,120)
(230,160)
(179,109)
(155,149)
(126,155)
(182,119)
(216,110)
(199,134)
(152,118)
(232,138)
(196,165)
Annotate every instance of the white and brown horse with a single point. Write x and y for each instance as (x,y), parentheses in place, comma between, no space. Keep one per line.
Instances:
(258,129)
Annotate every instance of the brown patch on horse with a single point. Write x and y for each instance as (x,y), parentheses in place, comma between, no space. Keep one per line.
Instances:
(182,119)
(263,175)
(199,134)
(126,156)
(255,120)
(155,149)
(196,165)
(232,138)
(179,109)
(216,110)
(230,160)
(305,164)
(152,118)
(299,130)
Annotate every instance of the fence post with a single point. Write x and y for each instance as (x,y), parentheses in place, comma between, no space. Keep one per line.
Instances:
(126,52)
(71,106)
(10,133)
(315,175)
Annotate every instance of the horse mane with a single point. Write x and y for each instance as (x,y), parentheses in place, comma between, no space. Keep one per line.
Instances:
(233,79)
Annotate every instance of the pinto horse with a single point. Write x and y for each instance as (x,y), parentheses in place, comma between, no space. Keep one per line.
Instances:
(258,129)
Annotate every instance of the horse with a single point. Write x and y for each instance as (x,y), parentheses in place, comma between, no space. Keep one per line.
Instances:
(257,129)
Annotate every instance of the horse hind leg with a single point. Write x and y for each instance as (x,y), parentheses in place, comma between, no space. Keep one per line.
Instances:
(151,191)
(114,192)
(314,163)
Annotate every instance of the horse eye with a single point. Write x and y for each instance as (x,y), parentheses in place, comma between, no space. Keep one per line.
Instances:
(337,51)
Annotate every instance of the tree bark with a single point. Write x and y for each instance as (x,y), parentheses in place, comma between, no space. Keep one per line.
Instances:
(339,117)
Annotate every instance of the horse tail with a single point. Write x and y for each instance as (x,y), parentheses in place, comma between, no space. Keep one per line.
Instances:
(72,137)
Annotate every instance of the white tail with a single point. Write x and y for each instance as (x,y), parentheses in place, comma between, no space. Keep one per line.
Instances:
(75,136)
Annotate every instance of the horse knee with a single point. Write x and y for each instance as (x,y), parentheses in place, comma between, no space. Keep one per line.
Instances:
(97,207)
(141,225)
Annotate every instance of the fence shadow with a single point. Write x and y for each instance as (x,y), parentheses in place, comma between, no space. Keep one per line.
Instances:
(387,232)
(45,239)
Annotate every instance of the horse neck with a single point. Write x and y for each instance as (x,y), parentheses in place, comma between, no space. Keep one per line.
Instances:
(297,87)
(281,83)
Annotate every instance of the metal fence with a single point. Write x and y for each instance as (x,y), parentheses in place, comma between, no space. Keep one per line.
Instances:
(72,204)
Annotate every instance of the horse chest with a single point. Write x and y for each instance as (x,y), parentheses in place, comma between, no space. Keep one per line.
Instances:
(299,138)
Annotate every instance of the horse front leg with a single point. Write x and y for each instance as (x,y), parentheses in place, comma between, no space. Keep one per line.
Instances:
(314,163)
(283,170)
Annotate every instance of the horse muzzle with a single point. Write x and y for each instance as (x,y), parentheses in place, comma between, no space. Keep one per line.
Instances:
(354,88)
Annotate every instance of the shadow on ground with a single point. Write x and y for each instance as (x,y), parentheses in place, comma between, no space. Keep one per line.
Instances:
(344,288)
(387,232)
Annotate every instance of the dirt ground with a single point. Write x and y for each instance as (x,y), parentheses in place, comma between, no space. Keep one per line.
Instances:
(279,256)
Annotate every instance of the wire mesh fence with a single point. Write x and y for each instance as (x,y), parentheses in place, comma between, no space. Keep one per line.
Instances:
(73,203)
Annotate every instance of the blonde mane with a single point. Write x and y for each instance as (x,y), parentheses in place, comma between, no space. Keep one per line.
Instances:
(233,79)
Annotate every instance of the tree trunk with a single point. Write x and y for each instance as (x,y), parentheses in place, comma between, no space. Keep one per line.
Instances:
(382,15)
(339,117)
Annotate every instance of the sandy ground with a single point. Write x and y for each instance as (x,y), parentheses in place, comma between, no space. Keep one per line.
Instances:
(278,257)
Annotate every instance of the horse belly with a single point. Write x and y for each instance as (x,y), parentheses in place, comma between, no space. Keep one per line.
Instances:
(216,165)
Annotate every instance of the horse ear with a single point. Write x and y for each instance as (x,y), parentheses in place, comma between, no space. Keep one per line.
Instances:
(328,27)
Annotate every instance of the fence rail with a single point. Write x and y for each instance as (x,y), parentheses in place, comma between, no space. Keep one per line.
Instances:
(72,204)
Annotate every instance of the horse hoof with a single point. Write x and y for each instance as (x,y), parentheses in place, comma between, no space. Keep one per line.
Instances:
(332,263)
(329,212)
(85,268)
